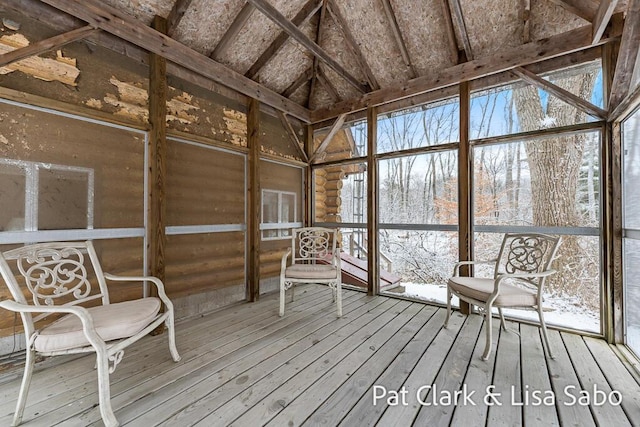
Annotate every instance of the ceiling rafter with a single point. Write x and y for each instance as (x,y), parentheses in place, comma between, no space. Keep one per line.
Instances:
(307,11)
(46,45)
(601,20)
(128,28)
(627,55)
(292,135)
(334,11)
(454,52)
(241,18)
(315,63)
(536,51)
(526,21)
(335,128)
(324,81)
(456,13)
(577,7)
(560,93)
(297,34)
(302,79)
(397,34)
(176,14)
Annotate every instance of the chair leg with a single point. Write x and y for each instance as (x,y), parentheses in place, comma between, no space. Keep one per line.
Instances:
(293,291)
(338,298)
(487,346)
(502,322)
(24,388)
(446,319)
(104,392)
(170,322)
(543,325)
(282,297)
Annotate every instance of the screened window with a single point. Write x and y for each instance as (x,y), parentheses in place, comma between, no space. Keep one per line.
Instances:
(278,214)
(44,196)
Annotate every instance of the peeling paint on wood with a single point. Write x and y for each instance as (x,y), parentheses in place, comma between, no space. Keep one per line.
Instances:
(60,69)
(131,100)
(178,109)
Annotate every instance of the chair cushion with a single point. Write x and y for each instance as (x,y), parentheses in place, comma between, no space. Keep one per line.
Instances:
(111,321)
(480,289)
(311,271)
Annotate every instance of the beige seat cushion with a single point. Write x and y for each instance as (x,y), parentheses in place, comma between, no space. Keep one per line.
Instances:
(479,289)
(311,271)
(112,321)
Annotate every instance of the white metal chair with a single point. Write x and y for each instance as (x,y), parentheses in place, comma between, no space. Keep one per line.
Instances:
(520,272)
(314,259)
(58,279)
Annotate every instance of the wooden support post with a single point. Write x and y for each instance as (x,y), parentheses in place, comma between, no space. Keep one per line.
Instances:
(156,237)
(253,261)
(613,219)
(465,188)
(309,188)
(611,171)
(373,278)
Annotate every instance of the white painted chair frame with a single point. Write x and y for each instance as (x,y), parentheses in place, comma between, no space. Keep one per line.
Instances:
(315,247)
(525,257)
(53,266)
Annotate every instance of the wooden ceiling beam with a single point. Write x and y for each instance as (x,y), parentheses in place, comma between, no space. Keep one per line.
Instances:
(302,79)
(560,93)
(324,81)
(397,34)
(627,55)
(334,11)
(175,15)
(292,135)
(536,51)
(307,11)
(124,26)
(601,20)
(241,18)
(297,34)
(584,9)
(315,63)
(526,21)
(46,45)
(456,13)
(450,30)
(335,128)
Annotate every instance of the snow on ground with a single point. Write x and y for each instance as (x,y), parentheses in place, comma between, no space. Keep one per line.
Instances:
(557,310)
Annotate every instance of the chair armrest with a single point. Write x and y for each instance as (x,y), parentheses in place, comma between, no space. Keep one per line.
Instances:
(24,308)
(80,312)
(283,262)
(456,268)
(157,282)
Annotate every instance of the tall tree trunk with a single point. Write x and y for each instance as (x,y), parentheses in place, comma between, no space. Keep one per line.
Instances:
(554,165)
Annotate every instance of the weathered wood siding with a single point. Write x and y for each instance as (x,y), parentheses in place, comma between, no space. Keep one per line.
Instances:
(205,187)
(114,155)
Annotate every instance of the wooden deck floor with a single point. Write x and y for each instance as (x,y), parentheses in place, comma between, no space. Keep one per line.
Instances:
(245,366)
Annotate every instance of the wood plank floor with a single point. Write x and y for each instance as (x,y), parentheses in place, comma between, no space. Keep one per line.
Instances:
(245,366)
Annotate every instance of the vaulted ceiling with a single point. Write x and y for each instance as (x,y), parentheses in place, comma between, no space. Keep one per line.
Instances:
(316,59)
